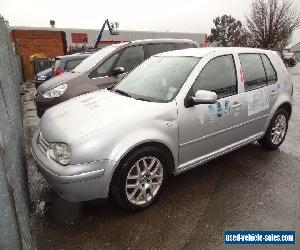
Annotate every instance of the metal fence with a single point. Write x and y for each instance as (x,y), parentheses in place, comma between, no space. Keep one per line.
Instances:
(14,209)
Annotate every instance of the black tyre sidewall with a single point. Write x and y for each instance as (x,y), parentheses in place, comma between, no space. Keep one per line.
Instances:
(119,181)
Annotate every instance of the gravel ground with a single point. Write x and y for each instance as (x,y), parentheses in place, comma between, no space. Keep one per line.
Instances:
(249,189)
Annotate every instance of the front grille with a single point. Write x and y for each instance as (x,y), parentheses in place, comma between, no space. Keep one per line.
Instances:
(43,143)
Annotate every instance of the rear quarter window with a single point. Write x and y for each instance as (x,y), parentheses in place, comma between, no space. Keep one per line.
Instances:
(270,71)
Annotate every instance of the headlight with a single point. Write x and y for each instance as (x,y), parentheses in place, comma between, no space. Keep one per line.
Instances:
(56,92)
(60,152)
(41,78)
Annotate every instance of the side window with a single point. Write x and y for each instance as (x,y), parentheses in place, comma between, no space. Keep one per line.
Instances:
(253,70)
(270,71)
(219,76)
(103,69)
(179,46)
(157,48)
(131,57)
(72,64)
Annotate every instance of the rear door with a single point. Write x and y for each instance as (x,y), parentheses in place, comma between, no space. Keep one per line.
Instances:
(99,76)
(256,93)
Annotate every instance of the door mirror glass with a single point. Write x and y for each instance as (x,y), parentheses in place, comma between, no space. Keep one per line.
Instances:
(204,97)
(117,71)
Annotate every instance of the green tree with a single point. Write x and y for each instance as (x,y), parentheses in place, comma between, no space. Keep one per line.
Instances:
(227,32)
(271,23)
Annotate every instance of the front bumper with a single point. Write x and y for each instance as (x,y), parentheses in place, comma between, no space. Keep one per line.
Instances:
(78,182)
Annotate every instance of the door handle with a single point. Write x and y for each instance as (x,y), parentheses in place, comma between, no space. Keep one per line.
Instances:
(273,92)
(236,105)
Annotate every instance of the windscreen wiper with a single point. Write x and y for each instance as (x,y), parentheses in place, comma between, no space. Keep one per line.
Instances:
(121,92)
(143,99)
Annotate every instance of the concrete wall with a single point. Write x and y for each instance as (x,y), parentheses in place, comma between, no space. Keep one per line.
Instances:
(14,208)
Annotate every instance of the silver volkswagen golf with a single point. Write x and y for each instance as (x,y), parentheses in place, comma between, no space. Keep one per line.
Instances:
(175,111)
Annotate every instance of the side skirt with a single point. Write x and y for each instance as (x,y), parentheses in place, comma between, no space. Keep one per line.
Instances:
(203,159)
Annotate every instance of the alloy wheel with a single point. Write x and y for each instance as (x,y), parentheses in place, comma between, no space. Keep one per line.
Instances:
(279,129)
(144,180)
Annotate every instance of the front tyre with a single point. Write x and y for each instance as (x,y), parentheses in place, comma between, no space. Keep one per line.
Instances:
(276,131)
(138,182)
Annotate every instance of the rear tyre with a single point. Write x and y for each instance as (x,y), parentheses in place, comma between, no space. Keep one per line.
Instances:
(138,182)
(276,131)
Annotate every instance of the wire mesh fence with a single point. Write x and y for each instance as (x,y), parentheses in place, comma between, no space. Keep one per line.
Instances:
(14,209)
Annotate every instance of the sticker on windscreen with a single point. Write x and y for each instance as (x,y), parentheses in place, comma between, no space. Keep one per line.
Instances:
(171,93)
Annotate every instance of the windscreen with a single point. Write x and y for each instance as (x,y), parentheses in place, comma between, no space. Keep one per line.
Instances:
(157,79)
(92,60)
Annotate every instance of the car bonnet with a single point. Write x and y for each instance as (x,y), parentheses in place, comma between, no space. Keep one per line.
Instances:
(88,113)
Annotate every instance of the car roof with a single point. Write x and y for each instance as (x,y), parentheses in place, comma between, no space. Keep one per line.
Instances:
(73,56)
(201,52)
(164,40)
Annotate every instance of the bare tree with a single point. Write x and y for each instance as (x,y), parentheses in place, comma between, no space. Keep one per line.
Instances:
(227,32)
(271,23)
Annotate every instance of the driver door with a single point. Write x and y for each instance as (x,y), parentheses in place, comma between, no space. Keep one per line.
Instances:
(129,59)
(205,129)
(99,76)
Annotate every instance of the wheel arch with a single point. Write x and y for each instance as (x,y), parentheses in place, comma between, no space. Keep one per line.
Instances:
(285,102)
(159,145)
(170,158)
(287,106)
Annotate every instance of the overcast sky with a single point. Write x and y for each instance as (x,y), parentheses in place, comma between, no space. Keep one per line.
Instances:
(152,15)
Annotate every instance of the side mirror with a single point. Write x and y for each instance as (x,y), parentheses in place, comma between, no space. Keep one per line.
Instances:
(117,71)
(205,97)
(201,97)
